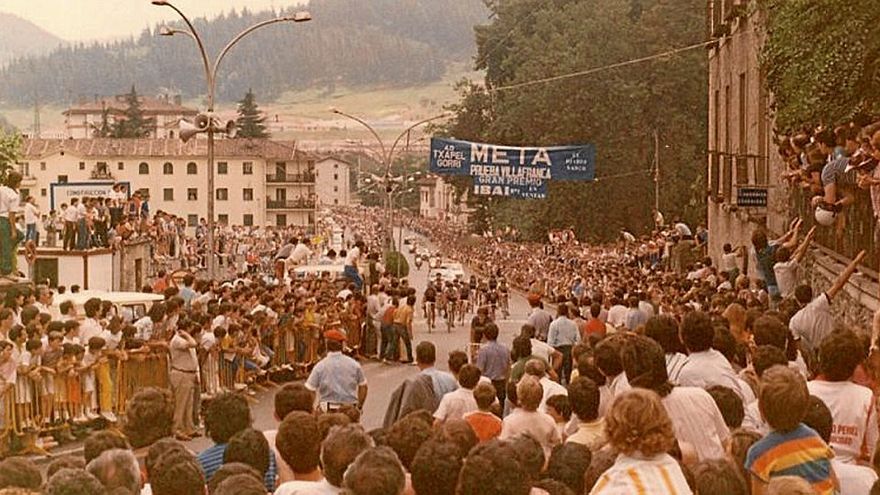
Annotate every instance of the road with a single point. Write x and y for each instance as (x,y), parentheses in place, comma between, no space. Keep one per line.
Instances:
(382,378)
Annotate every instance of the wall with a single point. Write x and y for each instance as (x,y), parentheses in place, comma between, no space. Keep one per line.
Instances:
(125,263)
(854,307)
(90,270)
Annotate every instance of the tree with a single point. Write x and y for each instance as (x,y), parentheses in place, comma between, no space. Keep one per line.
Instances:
(822,60)
(10,151)
(617,110)
(132,123)
(251,123)
(104,128)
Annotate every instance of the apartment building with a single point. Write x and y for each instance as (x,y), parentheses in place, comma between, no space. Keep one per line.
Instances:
(256,181)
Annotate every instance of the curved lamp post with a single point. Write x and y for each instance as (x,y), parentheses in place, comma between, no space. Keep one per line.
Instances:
(211,81)
(388,157)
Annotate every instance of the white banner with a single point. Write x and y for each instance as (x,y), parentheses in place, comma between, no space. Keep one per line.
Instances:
(63,192)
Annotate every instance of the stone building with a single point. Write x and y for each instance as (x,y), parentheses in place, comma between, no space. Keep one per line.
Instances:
(742,154)
(166,112)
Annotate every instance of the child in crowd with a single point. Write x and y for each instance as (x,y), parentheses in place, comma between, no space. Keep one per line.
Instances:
(790,448)
(51,358)
(71,332)
(485,424)
(454,405)
(559,409)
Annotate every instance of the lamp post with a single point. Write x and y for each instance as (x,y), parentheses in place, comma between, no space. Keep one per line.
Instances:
(211,81)
(388,157)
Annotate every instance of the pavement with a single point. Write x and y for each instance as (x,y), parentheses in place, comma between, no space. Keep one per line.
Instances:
(383,379)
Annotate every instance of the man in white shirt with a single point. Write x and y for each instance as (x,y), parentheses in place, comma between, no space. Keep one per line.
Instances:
(705,366)
(31,217)
(787,263)
(454,405)
(539,318)
(814,321)
(90,327)
(341,447)
(617,313)
(82,232)
(352,258)
(9,234)
(69,216)
(526,419)
(536,368)
(855,433)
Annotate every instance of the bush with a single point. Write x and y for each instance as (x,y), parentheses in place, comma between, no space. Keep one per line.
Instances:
(396,264)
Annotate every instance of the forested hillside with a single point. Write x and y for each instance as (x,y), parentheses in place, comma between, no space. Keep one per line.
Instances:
(348,42)
(20,37)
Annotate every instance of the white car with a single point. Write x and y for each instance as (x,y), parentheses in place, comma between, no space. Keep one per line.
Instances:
(448,272)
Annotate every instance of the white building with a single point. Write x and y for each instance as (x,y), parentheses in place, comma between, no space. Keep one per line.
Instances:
(256,181)
(438,200)
(332,181)
(166,112)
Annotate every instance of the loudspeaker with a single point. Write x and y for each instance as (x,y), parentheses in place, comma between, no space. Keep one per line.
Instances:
(231,129)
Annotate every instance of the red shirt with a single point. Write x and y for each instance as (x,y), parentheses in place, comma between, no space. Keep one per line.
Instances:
(595,327)
(486,425)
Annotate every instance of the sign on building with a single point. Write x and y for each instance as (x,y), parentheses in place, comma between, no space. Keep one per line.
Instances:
(516,172)
(63,192)
(748,196)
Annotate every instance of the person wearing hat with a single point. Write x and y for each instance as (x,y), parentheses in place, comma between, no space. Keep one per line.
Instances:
(337,380)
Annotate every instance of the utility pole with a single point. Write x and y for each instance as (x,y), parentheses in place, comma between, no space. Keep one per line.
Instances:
(656,171)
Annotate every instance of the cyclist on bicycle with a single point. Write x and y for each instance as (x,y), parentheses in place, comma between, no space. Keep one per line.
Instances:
(451,294)
(464,294)
(504,297)
(429,307)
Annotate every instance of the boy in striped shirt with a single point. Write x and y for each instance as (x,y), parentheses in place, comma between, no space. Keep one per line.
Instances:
(791,448)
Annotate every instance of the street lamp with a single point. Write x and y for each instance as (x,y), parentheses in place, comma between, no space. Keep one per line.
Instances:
(211,81)
(388,157)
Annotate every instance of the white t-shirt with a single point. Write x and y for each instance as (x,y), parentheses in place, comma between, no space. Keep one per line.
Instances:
(854,430)
(853,478)
(617,316)
(813,322)
(352,256)
(455,404)
(69,214)
(9,201)
(89,328)
(322,487)
(786,276)
(542,350)
(537,424)
(31,213)
(729,262)
(111,340)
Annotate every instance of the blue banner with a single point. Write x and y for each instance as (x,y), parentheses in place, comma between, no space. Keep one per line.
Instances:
(512,171)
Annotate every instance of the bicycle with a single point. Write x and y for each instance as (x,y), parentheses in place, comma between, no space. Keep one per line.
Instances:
(430,314)
(450,316)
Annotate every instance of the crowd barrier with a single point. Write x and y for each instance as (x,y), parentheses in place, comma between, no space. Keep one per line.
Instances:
(45,407)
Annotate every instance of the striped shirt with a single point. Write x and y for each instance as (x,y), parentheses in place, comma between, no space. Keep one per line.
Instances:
(636,475)
(212,458)
(800,452)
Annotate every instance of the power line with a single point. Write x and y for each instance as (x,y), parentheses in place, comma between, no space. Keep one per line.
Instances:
(602,68)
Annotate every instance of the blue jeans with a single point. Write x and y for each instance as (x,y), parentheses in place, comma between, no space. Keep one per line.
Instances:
(82,235)
(399,332)
(352,273)
(31,234)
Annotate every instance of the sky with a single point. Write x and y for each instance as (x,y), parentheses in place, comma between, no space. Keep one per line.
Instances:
(82,20)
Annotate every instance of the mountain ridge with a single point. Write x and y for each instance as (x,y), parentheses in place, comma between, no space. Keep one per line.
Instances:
(21,38)
(348,42)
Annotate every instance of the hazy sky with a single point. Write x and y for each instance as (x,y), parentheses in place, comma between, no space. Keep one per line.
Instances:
(102,19)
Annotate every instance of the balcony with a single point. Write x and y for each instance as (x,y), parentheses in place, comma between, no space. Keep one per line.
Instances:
(101,172)
(303,178)
(297,204)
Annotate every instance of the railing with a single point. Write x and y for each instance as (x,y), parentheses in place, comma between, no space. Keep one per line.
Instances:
(305,178)
(299,204)
(857,232)
(101,175)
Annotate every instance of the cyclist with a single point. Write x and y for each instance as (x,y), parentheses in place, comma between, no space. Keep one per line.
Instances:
(418,262)
(492,302)
(429,306)
(504,297)
(464,294)
(451,302)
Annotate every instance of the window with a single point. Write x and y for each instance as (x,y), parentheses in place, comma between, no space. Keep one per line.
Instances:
(42,166)
(168,194)
(247,220)
(82,165)
(144,168)
(192,220)
(335,176)
(192,168)
(222,168)
(43,192)
(335,165)
(192,194)
(223,219)
(25,169)
(281,220)
(335,201)
(62,179)
(335,188)
(247,194)
(120,165)
(222,194)
(247,168)
(168,168)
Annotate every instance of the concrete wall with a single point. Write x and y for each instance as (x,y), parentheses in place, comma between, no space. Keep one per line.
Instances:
(332,182)
(132,267)
(90,270)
